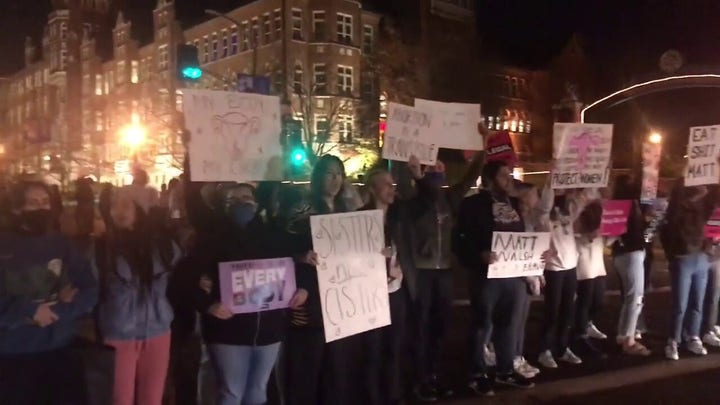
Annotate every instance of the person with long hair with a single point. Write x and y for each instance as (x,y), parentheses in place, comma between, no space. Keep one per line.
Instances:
(685,245)
(496,303)
(316,372)
(629,256)
(134,258)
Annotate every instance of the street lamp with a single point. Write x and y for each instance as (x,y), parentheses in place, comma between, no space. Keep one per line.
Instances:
(655,138)
(253,42)
(133,135)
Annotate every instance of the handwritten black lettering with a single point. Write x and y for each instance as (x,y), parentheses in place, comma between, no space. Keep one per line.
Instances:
(359,233)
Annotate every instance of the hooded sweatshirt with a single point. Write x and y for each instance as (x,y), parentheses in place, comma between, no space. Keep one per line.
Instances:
(558,218)
(33,269)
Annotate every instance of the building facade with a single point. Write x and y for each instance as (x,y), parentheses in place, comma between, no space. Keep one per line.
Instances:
(86,105)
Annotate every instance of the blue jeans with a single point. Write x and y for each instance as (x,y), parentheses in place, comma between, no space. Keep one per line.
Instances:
(631,269)
(688,278)
(242,372)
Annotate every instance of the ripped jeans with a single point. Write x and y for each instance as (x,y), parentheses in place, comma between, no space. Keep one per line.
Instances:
(630,267)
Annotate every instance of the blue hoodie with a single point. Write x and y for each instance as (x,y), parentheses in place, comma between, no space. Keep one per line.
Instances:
(32,270)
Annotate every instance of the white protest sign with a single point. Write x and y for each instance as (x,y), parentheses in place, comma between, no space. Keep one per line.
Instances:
(582,155)
(519,254)
(234,136)
(459,124)
(410,131)
(352,273)
(650,171)
(702,156)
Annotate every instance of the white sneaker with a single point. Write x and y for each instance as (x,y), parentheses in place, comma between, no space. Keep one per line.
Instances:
(546,360)
(593,332)
(570,357)
(711,339)
(716,330)
(695,346)
(529,367)
(489,356)
(638,335)
(671,350)
(519,365)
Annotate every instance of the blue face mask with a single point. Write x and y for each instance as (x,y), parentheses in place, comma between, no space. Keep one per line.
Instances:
(242,213)
(437,179)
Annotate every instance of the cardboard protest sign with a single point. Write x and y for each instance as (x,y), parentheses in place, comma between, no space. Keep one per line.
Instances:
(519,254)
(582,154)
(459,124)
(712,227)
(410,131)
(651,171)
(352,273)
(234,136)
(257,285)
(702,156)
(500,148)
(615,217)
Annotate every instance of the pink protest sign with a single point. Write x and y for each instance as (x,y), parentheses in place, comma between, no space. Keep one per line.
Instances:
(257,285)
(499,147)
(712,227)
(615,217)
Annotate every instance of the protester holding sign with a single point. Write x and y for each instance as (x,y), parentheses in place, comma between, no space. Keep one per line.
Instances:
(496,303)
(243,347)
(317,372)
(431,217)
(685,246)
(628,257)
(558,216)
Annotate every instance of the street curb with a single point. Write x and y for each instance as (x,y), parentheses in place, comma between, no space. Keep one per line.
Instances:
(608,293)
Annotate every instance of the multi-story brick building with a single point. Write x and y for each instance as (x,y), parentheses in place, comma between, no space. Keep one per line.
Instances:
(89,105)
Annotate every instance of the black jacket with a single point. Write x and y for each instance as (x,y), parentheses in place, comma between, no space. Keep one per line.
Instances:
(634,239)
(684,228)
(474,231)
(255,242)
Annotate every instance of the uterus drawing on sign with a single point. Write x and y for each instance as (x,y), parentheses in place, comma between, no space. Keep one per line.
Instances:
(584,144)
(235,130)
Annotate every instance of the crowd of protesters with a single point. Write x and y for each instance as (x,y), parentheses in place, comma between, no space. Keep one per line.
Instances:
(143,266)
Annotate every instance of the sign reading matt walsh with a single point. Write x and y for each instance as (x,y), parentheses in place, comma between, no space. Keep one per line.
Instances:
(454,9)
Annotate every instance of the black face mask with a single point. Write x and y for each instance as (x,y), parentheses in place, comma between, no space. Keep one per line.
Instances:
(35,222)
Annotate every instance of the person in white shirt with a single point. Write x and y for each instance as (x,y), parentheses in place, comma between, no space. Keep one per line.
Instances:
(557,216)
(141,192)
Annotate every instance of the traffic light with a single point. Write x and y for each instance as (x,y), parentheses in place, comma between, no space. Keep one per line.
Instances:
(298,156)
(188,64)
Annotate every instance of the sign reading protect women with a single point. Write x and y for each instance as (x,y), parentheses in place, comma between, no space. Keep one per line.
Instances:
(251,286)
(519,254)
(352,272)
(582,155)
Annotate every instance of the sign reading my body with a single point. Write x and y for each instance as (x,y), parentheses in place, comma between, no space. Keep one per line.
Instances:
(706,137)
(514,247)
(348,234)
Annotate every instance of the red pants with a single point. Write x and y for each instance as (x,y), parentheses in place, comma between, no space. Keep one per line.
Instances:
(140,370)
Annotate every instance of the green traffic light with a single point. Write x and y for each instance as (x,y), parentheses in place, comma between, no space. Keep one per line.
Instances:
(191,72)
(298,156)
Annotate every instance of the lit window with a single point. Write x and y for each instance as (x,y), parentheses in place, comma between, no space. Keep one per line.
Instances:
(513,125)
(214,46)
(178,102)
(163,57)
(527,126)
(368,39)
(121,71)
(298,79)
(521,126)
(86,84)
(234,40)
(297,24)
(267,28)
(135,73)
(98,85)
(107,83)
(506,124)
(255,33)
(345,79)
(344,28)
(206,49)
(99,121)
(498,123)
(491,122)
(224,43)
(245,36)
(277,17)
(319,25)
(345,127)
(319,78)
